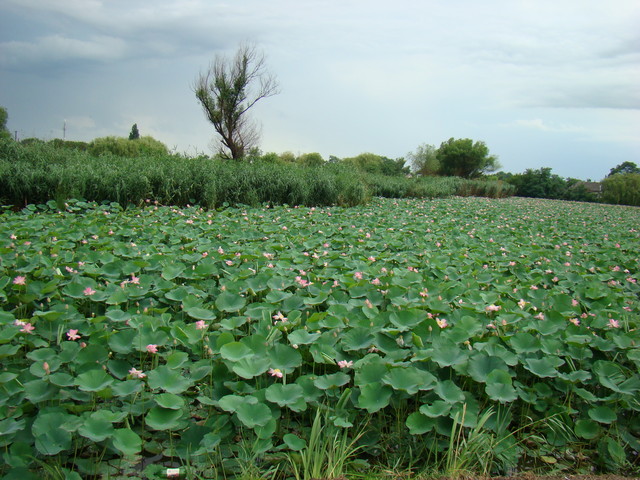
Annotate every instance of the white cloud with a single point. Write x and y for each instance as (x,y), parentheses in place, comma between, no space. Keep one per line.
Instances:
(59,48)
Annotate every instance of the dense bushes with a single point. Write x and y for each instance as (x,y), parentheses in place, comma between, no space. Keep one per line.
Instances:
(124,147)
(38,172)
(622,189)
(541,183)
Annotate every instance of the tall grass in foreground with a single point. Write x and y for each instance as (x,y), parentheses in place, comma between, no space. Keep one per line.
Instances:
(37,173)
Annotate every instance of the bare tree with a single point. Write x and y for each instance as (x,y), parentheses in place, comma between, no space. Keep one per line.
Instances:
(227,90)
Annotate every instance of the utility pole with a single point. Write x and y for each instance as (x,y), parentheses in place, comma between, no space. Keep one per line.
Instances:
(64,130)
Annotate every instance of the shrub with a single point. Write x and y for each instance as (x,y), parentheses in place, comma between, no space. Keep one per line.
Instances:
(127,148)
(622,189)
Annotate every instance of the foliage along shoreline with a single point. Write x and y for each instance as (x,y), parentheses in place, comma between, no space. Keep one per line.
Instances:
(38,172)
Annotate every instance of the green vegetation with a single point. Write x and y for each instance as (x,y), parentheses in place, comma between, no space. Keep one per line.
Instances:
(127,147)
(455,335)
(39,172)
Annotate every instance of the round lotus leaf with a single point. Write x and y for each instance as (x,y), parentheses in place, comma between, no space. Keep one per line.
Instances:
(449,391)
(587,429)
(254,415)
(127,441)
(93,380)
(334,380)
(159,418)
(602,414)
(169,400)
(419,423)
(230,302)
(167,379)
(409,379)
(294,442)
(284,357)
(499,387)
(374,397)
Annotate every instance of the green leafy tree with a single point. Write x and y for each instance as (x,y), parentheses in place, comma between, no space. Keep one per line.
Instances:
(424,161)
(134,134)
(4,131)
(622,189)
(227,90)
(625,167)
(313,159)
(465,158)
(124,147)
(378,164)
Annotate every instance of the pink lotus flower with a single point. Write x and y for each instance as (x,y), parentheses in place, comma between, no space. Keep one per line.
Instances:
(575,321)
(522,303)
(614,323)
(345,363)
(279,317)
(492,308)
(20,280)
(442,322)
(201,325)
(135,280)
(27,328)
(88,291)
(134,372)
(357,275)
(152,348)
(275,372)
(72,334)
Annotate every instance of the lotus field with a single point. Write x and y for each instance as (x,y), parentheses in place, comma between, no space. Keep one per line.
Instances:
(454,335)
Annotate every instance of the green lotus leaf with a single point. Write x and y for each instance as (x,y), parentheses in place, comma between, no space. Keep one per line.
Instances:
(96,428)
(449,391)
(374,397)
(235,351)
(409,379)
(419,424)
(93,380)
(439,408)
(171,271)
(449,355)
(50,437)
(123,341)
(176,359)
(407,319)
(302,337)
(291,396)
(294,442)
(200,313)
(482,364)
(333,380)
(284,358)
(167,379)
(523,342)
(126,388)
(602,414)
(159,418)
(587,429)
(230,302)
(127,441)
(499,387)
(169,400)
(250,367)
(357,338)
(61,379)
(543,367)
(254,415)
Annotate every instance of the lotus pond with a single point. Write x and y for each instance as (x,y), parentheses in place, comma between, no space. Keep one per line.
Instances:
(458,334)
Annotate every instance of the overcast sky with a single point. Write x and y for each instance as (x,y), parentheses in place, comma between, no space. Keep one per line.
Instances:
(545,83)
